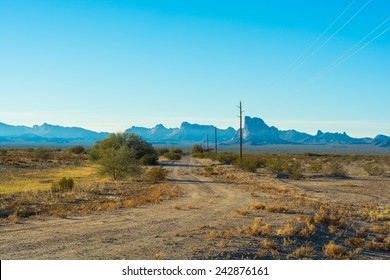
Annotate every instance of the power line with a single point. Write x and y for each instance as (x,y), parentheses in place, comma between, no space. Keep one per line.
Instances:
(334,34)
(343,58)
(293,66)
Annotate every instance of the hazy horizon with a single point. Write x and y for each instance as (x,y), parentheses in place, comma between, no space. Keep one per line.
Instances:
(109,65)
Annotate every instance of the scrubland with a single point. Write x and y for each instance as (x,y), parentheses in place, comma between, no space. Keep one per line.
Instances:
(267,206)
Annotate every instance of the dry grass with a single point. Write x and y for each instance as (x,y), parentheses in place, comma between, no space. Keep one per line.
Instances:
(42,179)
(269,244)
(257,229)
(290,229)
(213,234)
(84,199)
(336,252)
(355,242)
(176,207)
(258,206)
(302,252)
(242,212)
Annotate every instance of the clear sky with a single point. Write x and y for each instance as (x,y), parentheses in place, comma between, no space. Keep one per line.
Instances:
(107,65)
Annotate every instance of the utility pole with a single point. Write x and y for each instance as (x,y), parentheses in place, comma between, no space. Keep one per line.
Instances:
(207,142)
(215,137)
(240,107)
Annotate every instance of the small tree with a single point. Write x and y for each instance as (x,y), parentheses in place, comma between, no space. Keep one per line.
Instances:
(121,154)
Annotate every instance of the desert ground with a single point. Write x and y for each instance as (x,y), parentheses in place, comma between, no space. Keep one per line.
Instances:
(216,211)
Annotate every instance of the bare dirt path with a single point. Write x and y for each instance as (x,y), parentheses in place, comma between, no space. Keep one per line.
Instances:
(170,230)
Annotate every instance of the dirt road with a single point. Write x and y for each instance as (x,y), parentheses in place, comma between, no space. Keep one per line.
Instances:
(170,230)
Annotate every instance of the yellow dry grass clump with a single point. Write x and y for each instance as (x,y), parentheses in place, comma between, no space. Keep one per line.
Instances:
(42,179)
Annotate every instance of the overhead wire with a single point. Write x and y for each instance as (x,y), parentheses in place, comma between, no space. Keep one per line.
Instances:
(347,55)
(285,72)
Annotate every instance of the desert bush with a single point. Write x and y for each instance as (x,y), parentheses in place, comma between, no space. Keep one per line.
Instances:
(283,168)
(3,152)
(336,252)
(294,170)
(121,154)
(156,174)
(162,150)
(373,170)
(78,149)
(336,169)
(316,167)
(251,164)
(227,158)
(42,154)
(63,185)
(172,155)
(277,166)
(210,170)
(148,160)
(196,149)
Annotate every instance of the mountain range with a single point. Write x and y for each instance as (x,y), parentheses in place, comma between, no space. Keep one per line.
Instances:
(255,132)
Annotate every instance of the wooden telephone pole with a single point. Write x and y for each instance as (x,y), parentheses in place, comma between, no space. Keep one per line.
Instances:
(215,137)
(240,130)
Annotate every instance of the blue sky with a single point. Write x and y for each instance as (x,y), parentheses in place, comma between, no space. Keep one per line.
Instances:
(108,65)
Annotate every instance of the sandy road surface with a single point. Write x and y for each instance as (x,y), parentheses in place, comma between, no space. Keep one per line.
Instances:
(147,232)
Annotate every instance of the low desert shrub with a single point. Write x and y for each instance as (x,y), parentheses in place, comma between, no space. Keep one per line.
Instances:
(3,152)
(373,170)
(227,158)
(336,169)
(63,185)
(78,150)
(251,164)
(336,252)
(149,159)
(162,151)
(316,167)
(42,154)
(156,174)
(172,155)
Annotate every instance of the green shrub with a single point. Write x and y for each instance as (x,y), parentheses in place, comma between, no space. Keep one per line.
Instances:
(78,149)
(172,155)
(3,152)
(209,170)
(64,185)
(316,167)
(148,160)
(156,174)
(276,166)
(287,169)
(227,158)
(336,169)
(373,170)
(42,154)
(197,149)
(251,164)
(162,151)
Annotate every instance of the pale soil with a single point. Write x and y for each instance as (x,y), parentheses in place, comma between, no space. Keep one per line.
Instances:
(147,232)
(180,228)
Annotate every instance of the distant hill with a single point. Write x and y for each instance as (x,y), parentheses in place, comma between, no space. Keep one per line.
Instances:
(186,133)
(47,134)
(255,132)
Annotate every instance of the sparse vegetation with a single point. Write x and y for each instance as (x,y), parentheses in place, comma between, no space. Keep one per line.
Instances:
(315,218)
(63,185)
(156,174)
(336,169)
(173,154)
(78,149)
